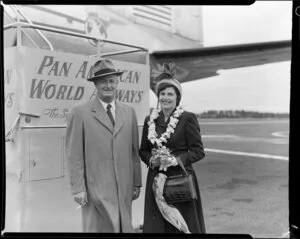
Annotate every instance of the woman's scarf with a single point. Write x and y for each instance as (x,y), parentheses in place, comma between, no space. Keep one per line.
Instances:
(169,212)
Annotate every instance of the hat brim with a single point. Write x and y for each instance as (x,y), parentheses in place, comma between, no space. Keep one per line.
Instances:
(169,81)
(107,74)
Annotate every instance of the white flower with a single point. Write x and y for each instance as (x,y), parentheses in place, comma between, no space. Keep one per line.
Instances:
(154,114)
(178,111)
(151,128)
(170,128)
(164,139)
(158,142)
(152,140)
(174,120)
(173,124)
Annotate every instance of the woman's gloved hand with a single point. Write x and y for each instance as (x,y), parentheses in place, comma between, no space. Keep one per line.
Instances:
(155,161)
(167,162)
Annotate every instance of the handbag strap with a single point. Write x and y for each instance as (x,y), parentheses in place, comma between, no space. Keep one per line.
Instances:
(181,165)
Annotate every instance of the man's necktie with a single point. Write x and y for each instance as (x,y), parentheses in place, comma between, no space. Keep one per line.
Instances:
(110,114)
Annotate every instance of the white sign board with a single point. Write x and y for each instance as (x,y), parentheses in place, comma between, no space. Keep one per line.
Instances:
(53,82)
(12,91)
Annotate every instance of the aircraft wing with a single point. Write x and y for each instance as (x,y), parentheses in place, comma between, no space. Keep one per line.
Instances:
(199,63)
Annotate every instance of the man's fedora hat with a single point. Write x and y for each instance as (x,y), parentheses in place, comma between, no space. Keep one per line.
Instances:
(102,68)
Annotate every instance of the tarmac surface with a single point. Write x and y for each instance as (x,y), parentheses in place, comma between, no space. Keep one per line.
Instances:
(244,194)
(243,184)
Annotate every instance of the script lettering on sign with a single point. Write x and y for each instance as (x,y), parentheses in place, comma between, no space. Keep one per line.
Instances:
(55,113)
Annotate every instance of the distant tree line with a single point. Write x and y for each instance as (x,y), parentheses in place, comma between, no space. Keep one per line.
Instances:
(240,114)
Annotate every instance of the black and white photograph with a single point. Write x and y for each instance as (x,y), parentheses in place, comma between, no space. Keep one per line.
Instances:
(148,118)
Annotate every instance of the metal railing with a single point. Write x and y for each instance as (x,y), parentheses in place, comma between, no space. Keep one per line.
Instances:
(38,32)
(69,33)
(18,12)
(19,25)
(13,20)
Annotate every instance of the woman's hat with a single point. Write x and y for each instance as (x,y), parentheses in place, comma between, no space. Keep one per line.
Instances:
(170,81)
(102,68)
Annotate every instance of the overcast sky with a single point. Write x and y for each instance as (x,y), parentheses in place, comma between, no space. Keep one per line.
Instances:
(262,21)
(264,88)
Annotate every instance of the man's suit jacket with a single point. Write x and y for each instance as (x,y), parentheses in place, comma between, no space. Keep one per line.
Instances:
(104,162)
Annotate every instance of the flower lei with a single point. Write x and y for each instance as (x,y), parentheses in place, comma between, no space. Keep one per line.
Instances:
(152,135)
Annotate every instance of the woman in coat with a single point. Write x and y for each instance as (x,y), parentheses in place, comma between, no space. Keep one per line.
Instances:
(184,143)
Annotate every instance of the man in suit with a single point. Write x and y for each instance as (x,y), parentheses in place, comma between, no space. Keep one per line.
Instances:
(103,155)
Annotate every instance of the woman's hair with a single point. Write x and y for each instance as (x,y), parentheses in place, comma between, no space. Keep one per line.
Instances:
(165,85)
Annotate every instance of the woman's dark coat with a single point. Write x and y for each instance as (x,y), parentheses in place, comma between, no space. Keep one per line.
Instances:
(186,143)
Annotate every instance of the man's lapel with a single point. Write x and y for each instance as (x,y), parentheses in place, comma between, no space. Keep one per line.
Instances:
(120,117)
(101,115)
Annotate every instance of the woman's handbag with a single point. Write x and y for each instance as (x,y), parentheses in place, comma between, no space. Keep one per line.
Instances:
(180,188)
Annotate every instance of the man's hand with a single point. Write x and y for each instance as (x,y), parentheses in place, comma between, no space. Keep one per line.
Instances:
(80,198)
(136,193)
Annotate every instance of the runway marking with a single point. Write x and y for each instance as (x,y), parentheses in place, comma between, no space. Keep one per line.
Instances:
(236,138)
(281,134)
(248,154)
(242,122)
(219,136)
